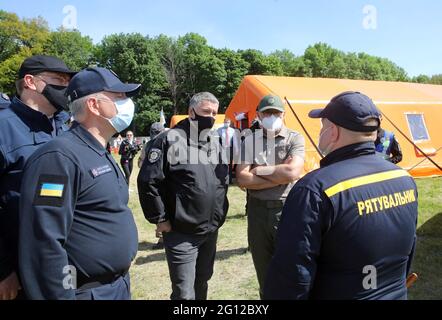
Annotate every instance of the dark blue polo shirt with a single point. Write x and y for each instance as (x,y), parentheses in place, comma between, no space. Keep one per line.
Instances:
(73,212)
(347,231)
(22,131)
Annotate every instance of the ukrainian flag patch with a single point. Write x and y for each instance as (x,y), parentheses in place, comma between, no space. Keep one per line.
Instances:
(51,190)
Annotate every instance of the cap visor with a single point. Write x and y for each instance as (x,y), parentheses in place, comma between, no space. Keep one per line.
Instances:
(271,108)
(60,70)
(130,89)
(317,113)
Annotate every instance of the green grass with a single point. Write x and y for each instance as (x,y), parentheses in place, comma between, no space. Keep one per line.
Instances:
(428,258)
(234,274)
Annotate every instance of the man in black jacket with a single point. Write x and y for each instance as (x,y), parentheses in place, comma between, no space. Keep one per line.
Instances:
(183,189)
(128,150)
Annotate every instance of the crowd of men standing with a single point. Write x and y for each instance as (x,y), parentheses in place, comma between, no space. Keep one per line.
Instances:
(66,231)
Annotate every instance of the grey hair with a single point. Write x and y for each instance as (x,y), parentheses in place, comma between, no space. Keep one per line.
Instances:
(198,98)
(77,106)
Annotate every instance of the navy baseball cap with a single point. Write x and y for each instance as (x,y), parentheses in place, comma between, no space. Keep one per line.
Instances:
(350,110)
(38,64)
(93,80)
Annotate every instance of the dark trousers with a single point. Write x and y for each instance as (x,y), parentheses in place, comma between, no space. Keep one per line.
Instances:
(127,166)
(117,290)
(262,219)
(190,259)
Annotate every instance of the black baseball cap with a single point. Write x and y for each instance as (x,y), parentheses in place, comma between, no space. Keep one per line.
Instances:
(38,64)
(350,110)
(96,79)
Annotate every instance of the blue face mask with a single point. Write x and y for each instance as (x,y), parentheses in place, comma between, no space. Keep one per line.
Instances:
(125,115)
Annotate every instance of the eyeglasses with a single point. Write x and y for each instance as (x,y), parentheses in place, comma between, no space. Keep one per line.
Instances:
(57,80)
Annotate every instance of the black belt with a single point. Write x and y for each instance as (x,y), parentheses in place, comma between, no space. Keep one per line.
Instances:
(84,283)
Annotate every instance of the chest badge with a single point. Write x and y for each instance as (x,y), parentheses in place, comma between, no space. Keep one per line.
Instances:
(154,155)
(99,171)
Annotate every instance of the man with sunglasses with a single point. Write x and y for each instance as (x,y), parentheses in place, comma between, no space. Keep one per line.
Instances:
(34,117)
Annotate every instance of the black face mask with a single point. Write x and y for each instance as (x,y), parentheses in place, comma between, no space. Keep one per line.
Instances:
(203,122)
(55,95)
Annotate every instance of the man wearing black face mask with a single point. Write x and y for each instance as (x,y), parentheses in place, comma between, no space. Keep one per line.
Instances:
(33,118)
(182,187)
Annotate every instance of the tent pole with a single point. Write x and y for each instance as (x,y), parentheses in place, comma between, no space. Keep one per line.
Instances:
(303,128)
(409,140)
(422,161)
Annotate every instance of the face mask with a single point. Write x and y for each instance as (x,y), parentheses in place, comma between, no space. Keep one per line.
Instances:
(55,95)
(226,125)
(125,115)
(203,122)
(325,151)
(272,123)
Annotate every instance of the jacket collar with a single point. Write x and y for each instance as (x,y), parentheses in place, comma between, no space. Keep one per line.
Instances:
(348,152)
(34,119)
(87,138)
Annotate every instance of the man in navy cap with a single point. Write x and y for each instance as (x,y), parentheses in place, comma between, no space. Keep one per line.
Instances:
(348,229)
(33,118)
(77,234)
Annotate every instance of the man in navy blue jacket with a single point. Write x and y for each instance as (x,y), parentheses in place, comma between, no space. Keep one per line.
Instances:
(348,229)
(33,118)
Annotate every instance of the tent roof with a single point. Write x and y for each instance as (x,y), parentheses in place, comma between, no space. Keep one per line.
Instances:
(321,89)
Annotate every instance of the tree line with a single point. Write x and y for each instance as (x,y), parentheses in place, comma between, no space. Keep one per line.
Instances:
(171,70)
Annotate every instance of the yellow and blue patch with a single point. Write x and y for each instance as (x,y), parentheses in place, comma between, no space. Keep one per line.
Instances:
(51,190)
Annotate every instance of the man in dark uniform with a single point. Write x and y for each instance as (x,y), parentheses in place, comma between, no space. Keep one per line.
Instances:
(183,189)
(128,150)
(4,101)
(387,146)
(33,118)
(348,229)
(155,129)
(77,234)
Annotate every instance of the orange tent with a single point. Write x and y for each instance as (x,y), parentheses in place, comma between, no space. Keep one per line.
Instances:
(416,109)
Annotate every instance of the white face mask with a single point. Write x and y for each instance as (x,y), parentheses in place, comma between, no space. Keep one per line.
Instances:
(272,123)
(125,114)
(325,150)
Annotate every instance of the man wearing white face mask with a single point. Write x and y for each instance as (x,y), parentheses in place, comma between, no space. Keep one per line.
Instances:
(77,234)
(274,162)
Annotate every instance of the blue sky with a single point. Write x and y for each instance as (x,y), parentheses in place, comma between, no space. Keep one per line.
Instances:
(408,32)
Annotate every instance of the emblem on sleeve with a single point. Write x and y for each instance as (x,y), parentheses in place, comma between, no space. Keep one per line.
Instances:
(51,190)
(154,155)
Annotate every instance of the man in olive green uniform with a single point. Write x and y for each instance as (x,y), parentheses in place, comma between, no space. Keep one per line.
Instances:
(274,161)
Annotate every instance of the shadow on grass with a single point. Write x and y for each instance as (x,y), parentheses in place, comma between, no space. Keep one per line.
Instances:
(160,255)
(427,261)
(433,227)
(143,246)
(226,254)
(237,217)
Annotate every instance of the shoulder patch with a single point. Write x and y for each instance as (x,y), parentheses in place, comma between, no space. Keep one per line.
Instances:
(51,190)
(154,155)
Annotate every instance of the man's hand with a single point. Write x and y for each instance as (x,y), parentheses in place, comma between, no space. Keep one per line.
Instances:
(163,227)
(9,287)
